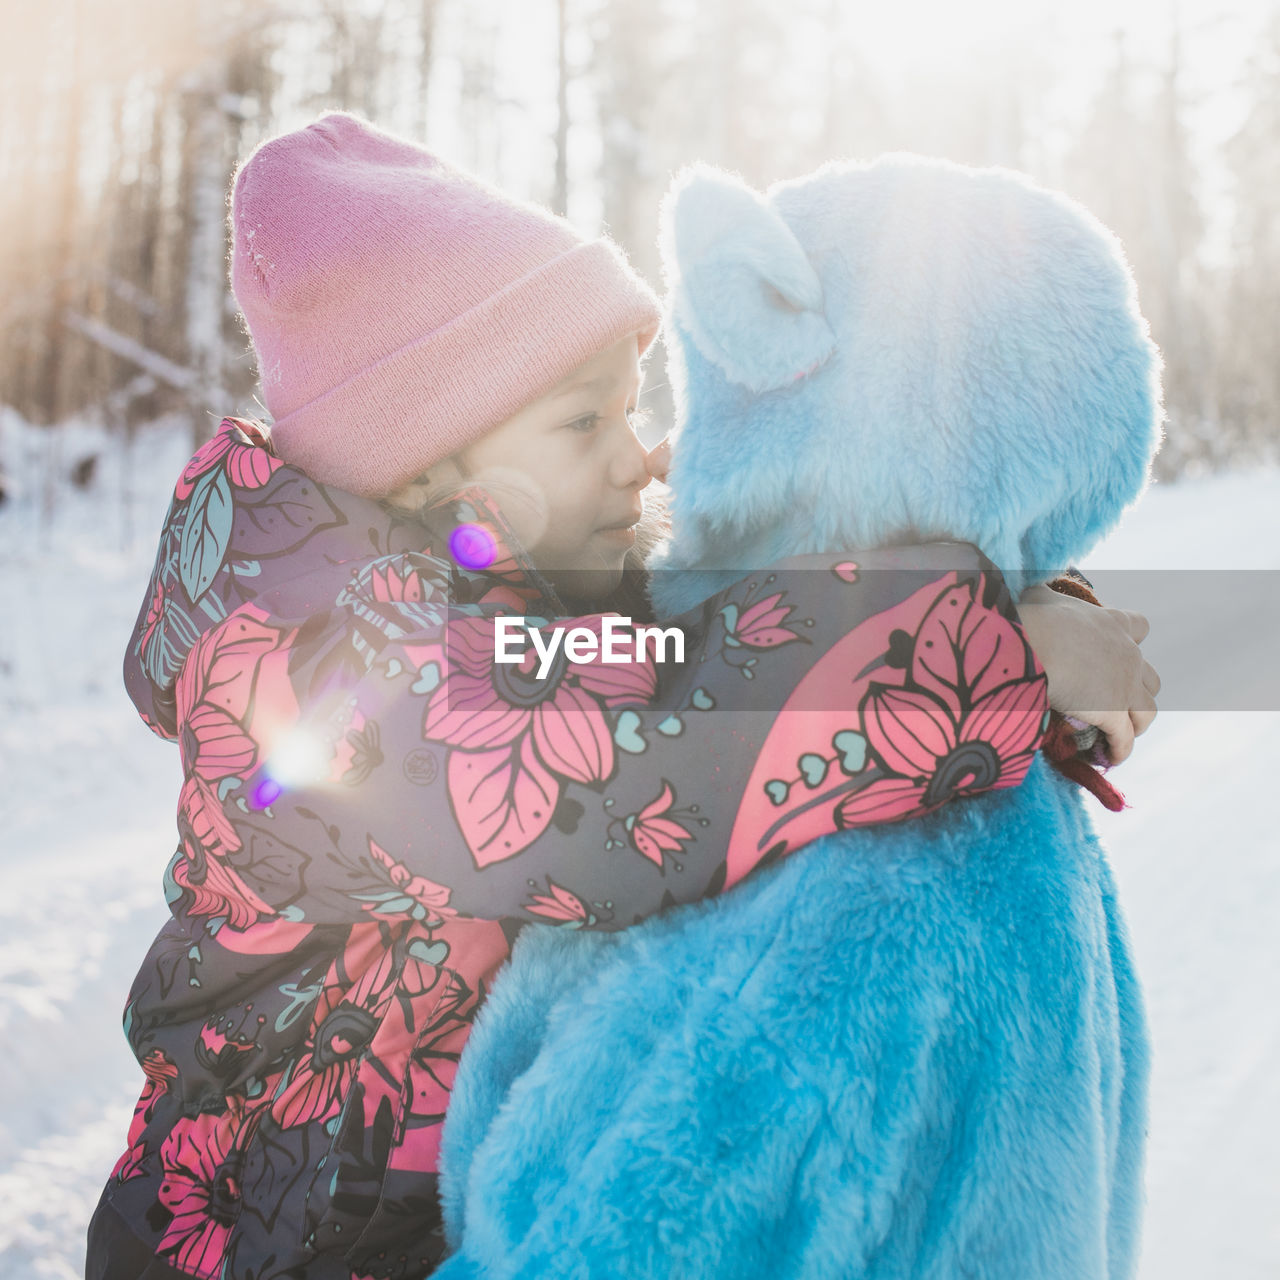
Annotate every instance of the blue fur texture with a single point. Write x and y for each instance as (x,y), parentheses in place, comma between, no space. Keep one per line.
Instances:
(908,1051)
(991,380)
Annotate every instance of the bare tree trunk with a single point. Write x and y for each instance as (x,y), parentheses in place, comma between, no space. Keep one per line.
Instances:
(207,164)
(427,32)
(63,253)
(560,189)
(479,96)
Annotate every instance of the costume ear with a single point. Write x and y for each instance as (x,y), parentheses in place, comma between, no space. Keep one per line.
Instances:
(739,283)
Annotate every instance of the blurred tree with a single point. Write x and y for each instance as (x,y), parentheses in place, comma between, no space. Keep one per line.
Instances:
(356,55)
(1248,382)
(1131,165)
(120,126)
(632,72)
(853,108)
(64,207)
(479,92)
(560,182)
(1169,257)
(733,87)
(206,162)
(427,11)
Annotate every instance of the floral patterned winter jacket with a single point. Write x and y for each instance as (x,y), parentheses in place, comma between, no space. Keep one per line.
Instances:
(373,808)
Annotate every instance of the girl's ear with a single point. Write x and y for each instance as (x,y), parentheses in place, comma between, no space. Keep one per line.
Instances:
(739,283)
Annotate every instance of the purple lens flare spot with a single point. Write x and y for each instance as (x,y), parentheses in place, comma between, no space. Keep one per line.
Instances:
(266,793)
(472,547)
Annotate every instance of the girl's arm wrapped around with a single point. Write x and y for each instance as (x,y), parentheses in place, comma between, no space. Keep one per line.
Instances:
(353,749)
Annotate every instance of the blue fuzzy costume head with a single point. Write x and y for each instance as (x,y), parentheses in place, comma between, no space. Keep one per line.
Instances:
(898,351)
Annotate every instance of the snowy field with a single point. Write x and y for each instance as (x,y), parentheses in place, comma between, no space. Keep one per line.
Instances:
(87,800)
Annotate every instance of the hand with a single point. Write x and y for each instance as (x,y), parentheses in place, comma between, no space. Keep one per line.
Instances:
(1095,669)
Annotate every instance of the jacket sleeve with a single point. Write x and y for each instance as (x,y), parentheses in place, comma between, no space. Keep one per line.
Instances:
(160,640)
(425,779)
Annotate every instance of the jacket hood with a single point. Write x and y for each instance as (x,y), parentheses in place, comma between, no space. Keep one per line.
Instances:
(245,527)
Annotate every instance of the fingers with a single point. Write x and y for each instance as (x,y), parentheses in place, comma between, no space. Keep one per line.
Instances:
(1122,727)
(1119,731)
(1093,659)
(1135,624)
(1150,679)
(1142,713)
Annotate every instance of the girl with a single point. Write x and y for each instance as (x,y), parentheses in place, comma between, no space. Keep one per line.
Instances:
(378,794)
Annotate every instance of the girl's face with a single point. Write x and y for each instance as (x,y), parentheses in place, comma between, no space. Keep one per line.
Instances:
(567,471)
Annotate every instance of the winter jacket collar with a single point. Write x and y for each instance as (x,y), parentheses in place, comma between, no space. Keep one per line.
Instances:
(288,543)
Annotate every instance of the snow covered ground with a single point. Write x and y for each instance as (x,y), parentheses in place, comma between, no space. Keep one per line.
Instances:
(87,798)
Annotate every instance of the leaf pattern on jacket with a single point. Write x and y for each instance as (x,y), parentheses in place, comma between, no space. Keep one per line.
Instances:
(372,809)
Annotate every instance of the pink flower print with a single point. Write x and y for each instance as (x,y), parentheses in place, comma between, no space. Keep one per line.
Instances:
(467,709)
(390,583)
(210,828)
(962,652)
(759,626)
(508,599)
(652,832)
(344,1020)
(321,1079)
(272,937)
(205,458)
(559,905)
(248,466)
(130,1165)
(502,799)
(217,1051)
(232,693)
(959,709)
(215,692)
(159,1071)
(201,1190)
(432,1069)
(756,625)
(424,899)
(973,725)
(154,727)
(517,736)
(155,611)
(216,890)
(410,1065)
(615,684)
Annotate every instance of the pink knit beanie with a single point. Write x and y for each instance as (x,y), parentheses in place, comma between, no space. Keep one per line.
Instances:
(401,308)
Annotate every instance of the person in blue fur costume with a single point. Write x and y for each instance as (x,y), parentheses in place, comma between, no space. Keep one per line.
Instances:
(917,1050)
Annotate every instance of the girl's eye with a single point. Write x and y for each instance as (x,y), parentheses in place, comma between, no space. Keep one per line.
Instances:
(589,422)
